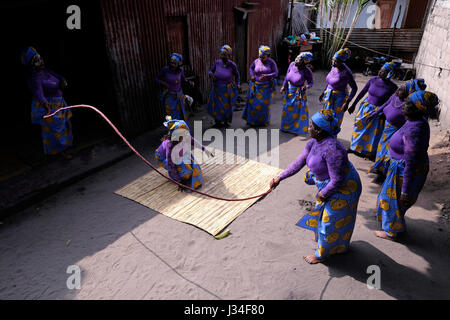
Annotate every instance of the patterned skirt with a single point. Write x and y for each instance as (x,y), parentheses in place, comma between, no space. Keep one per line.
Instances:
(333,100)
(333,221)
(174,104)
(295,116)
(257,109)
(382,159)
(389,212)
(57,130)
(366,135)
(222,101)
(189,171)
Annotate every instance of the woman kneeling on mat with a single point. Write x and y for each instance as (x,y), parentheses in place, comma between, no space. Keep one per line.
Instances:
(334,215)
(181,165)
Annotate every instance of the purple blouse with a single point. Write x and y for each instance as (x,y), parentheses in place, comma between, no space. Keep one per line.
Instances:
(224,72)
(164,150)
(378,90)
(327,159)
(297,77)
(172,78)
(269,68)
(393,111)
(340,79)
(410,143)
(45,83)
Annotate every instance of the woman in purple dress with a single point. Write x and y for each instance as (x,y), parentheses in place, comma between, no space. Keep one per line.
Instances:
(223,96)
(338,183)
(335,96)
(408,166)
(299,78)
(392,112)
(263,73)
(46,87)
(170,78)
(366,134)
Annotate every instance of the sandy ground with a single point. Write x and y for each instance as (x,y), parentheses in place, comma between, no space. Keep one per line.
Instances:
(126,251)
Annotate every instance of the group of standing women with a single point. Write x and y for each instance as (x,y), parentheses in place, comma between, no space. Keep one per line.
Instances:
(390,128)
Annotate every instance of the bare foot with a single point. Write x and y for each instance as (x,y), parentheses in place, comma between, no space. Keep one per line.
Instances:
(383,235)
(312,259)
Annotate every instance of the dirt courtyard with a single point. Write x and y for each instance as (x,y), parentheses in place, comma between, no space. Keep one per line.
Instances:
(126,251)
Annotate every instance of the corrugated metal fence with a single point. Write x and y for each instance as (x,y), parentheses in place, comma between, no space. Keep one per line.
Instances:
(137,45)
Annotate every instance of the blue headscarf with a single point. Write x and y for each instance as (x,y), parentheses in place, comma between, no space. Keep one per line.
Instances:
(306,57)
(325,120)
(173,124)
(343,54)
(178,58)
(392,67)
(425,101)
(27,55)
(264,50)
(415,85)
(227,49)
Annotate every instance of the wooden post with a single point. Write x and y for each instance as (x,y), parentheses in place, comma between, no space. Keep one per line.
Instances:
(290,18)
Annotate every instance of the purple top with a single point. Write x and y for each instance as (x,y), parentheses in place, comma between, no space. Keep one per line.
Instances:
(393,111)
(45,83)
(327,159)
(164,150)
(410,143)
(269,68)
(379,91)
(224,72)
(297,77)
(172,78)
(340,79)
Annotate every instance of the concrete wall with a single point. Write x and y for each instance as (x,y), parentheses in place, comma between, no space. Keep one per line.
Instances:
(435,50)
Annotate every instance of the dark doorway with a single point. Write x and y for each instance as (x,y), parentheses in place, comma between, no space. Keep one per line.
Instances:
(177,33)
(241,43)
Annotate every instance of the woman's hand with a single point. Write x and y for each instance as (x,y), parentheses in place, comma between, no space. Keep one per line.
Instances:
(404,201)
(210,154)
(321,197)
(191,83)
(47,106)
(304,87)
(283,89)
(253,79)
(275,182)
(63,84)
(351,109)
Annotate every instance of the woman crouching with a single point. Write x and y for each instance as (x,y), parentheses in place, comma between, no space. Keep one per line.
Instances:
(174,155)
(334,215)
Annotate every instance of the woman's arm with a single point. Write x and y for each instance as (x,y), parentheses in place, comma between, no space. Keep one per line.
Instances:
(415,145)
(273,69)
(212,70)
(336,164)
(309,77)
(353,86)
(299,163)
(37,89)
(252,70)
(285,82)
(362,93)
